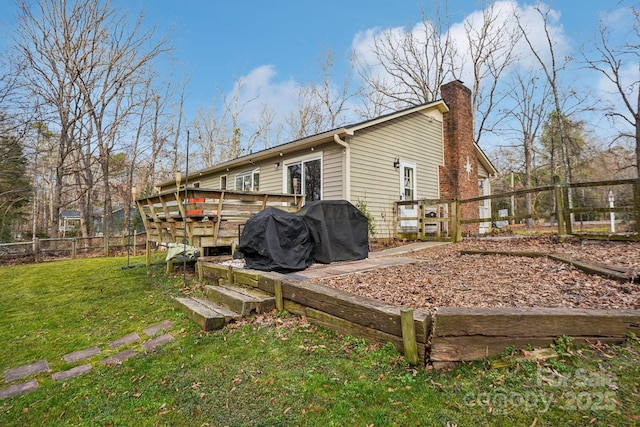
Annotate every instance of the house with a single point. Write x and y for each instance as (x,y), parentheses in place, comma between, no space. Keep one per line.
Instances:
(422,152)
(69,222)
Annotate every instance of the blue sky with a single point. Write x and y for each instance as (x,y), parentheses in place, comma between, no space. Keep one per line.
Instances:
(275,45)
(216,42)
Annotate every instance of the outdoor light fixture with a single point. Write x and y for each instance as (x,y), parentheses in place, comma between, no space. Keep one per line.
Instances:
(396,163)
(276,164)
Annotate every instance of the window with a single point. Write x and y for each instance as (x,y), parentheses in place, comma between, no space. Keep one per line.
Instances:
(409,186)
(305,177)
(223,182)
(248,181)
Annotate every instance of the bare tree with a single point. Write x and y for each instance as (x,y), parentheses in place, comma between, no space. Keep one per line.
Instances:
(267,130)
(321,105)
(83,61)
(408,67)
(490,45)
(332,100)
(529,97)
(611,61)
(307,118)
(211,135)
(39,46)
(551,70)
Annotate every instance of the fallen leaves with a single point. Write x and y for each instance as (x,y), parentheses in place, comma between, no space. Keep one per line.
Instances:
(442,277)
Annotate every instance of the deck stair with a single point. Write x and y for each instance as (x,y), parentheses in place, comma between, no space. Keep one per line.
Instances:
(224,303)
(242,299)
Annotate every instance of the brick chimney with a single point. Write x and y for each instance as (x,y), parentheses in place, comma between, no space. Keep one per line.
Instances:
(459,175)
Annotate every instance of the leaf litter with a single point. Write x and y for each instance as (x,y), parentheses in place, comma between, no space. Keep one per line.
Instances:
(442,276)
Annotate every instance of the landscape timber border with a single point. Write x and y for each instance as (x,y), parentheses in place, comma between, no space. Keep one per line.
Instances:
(440,337)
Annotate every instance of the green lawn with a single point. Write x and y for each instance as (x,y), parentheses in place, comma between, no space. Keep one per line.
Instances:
(274,371)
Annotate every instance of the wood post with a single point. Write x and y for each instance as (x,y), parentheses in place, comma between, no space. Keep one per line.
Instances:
(73,248)
(277,288)
(106,243)
(409,336)
(421,222)
(562,231)
(456,224)
(568,216)
(36,249)
(147,253)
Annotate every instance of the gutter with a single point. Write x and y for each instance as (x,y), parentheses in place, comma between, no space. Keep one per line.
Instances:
(347,177)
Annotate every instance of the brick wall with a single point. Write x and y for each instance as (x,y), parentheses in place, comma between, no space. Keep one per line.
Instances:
(459,175)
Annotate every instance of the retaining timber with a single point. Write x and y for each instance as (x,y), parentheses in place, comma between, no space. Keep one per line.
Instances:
(623,275)
(442,337)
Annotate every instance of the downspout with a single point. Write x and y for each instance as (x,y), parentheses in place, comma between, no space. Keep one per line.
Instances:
(347,175)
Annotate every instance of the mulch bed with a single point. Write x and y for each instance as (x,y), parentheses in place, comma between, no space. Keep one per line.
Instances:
(443,277)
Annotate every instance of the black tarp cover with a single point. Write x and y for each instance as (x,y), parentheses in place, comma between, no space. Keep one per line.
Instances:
(338,230)
(275,240)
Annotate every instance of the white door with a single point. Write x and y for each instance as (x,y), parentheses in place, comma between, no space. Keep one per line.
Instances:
(408,190)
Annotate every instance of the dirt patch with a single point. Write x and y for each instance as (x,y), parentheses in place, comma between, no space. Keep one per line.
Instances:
(442,276)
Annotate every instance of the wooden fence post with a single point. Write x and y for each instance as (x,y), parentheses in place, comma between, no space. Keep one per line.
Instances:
(135,242)
(105,244)
(36,249)
(567,210)
(562,231)
(421,223)
(409,336)
(147,253)
(73,248)
(457,225)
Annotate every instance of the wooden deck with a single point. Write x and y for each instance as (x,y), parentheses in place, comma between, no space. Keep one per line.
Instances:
(208,218)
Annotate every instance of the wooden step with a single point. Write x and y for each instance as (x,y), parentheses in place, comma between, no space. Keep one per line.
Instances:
(242,299)
(205,313)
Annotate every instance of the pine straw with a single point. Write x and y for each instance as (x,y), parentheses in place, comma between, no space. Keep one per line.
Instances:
(442,277)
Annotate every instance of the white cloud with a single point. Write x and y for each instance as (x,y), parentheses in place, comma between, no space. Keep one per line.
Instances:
(260,88)
(505,22)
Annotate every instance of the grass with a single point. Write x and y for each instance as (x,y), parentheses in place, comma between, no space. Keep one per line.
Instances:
(273,371)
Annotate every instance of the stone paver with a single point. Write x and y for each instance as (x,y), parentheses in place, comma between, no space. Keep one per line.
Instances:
(154,329)
(156,342)
(79,355)
(127,339)
(25,370)
(117,359)
(18,389)
(72,373)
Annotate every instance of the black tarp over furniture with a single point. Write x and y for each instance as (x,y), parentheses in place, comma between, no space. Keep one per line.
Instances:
(338,230)
(275,240)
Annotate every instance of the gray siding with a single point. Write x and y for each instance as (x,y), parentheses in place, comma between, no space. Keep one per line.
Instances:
(374,180)
(272,178)
(332,172)
(414,138)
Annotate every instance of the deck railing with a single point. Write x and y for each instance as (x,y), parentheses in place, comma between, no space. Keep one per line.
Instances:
(206,218)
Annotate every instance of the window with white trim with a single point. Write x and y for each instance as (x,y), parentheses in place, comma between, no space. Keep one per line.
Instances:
(248,181)
(223,182)
(305,177)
